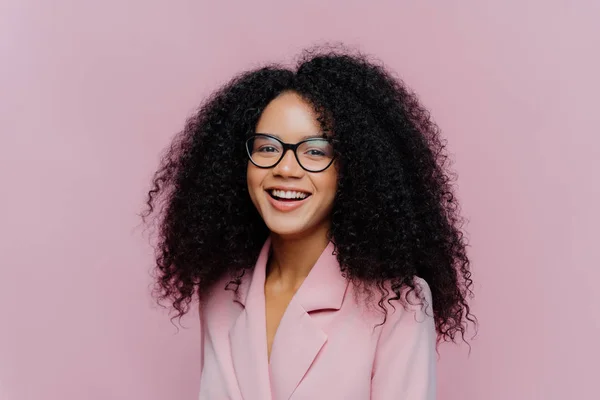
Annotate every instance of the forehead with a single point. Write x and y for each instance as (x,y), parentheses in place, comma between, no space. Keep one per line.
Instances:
(289,117)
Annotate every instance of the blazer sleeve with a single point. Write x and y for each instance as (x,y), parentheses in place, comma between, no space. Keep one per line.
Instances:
(405,359)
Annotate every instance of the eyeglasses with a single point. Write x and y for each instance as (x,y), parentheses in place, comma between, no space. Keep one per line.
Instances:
(313,155)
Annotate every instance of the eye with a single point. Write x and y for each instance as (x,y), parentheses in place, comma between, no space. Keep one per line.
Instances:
(315,153)
(267,149)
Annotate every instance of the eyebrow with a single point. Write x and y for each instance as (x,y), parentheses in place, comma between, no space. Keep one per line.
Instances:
(313,136)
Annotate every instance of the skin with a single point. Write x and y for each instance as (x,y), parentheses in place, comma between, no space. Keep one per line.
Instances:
(298,236)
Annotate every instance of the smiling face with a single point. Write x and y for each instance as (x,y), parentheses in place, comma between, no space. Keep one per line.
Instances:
(292,202)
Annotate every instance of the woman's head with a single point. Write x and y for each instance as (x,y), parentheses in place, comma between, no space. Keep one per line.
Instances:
(292,190)
(386,201)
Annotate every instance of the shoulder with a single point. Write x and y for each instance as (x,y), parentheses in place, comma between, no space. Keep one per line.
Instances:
(414,300)
(382,311)
(418,298)
(412,314)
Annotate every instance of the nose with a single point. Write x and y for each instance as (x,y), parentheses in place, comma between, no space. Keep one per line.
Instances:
(288,166)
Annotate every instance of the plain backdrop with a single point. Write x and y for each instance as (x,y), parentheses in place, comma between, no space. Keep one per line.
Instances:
(92,91)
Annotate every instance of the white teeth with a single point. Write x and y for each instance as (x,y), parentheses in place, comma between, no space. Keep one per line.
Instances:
(288,194)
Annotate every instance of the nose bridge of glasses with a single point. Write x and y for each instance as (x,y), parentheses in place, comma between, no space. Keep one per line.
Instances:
(289,151)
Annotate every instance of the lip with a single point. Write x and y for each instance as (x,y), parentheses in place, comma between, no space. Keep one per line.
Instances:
(285,206)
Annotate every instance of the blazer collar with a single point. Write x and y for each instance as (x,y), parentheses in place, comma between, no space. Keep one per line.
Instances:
(299,337)
(323,289)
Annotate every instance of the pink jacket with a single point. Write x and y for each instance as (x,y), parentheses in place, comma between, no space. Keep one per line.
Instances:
(327,345)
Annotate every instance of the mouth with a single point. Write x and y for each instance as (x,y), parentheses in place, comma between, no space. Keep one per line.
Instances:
(288,196)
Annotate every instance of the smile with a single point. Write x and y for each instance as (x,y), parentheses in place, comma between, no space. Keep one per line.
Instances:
(287,200)
(287,194)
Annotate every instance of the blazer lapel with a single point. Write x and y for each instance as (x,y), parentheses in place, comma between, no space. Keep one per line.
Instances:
(248,336)
(299,338)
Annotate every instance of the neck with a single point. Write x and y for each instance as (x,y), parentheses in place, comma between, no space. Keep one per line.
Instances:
(293,258)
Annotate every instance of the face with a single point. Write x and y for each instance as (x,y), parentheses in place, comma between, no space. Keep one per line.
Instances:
(291,201)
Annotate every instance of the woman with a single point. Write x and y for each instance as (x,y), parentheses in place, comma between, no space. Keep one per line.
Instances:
(312,213)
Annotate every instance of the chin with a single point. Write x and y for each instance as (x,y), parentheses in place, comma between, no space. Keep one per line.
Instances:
(287,230)
(290,229)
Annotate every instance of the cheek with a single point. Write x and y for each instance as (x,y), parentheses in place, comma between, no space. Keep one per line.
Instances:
(253,180)
(327,185)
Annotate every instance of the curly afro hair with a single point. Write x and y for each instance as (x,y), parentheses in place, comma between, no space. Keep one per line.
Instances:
(395,215)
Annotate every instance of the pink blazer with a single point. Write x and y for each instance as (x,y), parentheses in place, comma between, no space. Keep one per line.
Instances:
(327,345)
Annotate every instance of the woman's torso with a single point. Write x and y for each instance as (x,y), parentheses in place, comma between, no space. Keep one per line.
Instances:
(325,345)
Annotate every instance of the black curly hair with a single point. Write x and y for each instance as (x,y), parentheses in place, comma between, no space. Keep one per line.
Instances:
(395,215)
